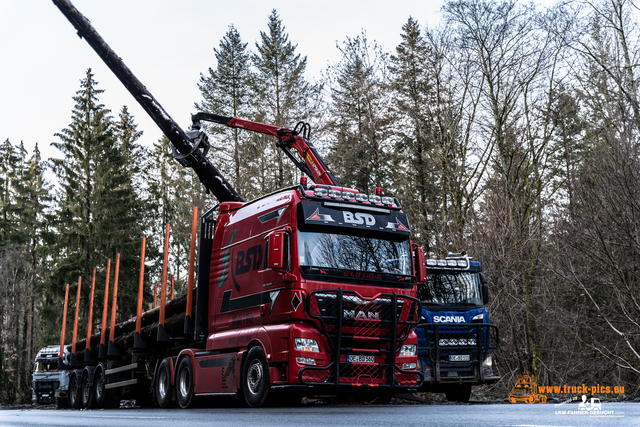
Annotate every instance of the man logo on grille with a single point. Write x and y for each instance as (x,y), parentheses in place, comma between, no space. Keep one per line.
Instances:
(352,314)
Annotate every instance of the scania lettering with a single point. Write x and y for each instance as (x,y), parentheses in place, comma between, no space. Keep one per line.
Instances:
(307,291)
(455,340)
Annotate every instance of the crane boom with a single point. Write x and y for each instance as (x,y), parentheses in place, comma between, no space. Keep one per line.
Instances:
(189,151)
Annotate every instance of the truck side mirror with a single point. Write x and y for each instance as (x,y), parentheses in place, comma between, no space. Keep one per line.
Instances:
(485,294)
(420,264)
(276,250)
(483,279)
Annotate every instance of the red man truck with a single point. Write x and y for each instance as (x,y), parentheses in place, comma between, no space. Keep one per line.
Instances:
(306,291)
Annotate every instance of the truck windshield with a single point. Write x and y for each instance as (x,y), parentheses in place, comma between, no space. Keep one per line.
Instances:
(460,288)
(45,365)
(345,252)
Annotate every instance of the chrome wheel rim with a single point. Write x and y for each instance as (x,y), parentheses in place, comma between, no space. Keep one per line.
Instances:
(254,377)
(184,383)
(162,384)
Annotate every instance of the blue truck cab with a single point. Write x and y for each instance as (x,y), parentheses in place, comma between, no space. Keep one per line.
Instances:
(455,337)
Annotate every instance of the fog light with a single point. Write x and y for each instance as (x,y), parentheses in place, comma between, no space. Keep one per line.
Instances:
(334,194)
(408,366)
(375,199)
(306,361)
(348,195)
(486,363)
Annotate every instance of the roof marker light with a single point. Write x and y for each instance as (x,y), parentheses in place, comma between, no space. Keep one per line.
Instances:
(303,181)
(378,191)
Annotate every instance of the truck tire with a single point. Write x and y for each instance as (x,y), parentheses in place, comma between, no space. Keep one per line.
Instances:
(255,378)
(87,392)
(75,400)
(184,382)
(163,387)
(459,393)
(103,397)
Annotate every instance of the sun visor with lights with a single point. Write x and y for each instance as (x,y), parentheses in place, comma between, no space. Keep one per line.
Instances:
(346,215)
(459,263)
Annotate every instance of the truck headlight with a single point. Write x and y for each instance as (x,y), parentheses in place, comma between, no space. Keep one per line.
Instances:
(408,350)
(487,362)
(478,318)
(306,344)
(306,361)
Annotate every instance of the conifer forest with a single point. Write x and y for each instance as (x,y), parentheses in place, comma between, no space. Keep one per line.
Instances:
(510,131)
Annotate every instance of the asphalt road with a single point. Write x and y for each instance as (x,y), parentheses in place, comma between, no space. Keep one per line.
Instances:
(522,415)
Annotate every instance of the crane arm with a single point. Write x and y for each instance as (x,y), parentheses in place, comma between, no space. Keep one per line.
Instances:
(297,139)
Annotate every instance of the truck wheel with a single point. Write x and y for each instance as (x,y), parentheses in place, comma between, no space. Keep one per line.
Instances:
(459,393)
(184,382)
(88,397)
(255,378)
(163,384)
(103,397)
(74,392)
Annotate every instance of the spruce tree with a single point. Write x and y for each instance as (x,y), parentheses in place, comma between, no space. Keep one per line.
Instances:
(98,210)
(226,91)
(282,97)
(362,119)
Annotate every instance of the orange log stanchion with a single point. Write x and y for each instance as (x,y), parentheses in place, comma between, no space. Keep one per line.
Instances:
(112,351)
(75,326)
(138,343)
(155,295)
(172,287)
(87,352)
(188,320)
(162,334)
(102,348)
(64,329)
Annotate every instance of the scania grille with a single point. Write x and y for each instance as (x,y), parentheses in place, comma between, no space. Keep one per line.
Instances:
(458,349)
(357,326)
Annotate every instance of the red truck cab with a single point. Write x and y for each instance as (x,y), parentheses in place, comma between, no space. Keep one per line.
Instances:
(311,290)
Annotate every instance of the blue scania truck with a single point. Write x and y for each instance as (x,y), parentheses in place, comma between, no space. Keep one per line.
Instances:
(455,337)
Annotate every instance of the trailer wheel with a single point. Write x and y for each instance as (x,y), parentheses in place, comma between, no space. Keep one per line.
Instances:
(184,382)
(74,392)
(255,378)
(103,397)
(88,396)
(163,384)
(459,393)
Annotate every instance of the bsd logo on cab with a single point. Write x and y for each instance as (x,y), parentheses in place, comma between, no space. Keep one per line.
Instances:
(359,218)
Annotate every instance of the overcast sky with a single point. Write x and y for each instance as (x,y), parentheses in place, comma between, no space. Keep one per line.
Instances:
(167,44)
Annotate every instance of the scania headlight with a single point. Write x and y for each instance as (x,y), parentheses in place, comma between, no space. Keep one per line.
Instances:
(306,344)
(487,362)
(478,318)
(408,350)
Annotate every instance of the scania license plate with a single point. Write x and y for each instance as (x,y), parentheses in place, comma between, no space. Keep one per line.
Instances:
(361,359)
(459,358)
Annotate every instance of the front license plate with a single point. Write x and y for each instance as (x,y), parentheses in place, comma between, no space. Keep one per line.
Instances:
(459,358)
(361,359)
